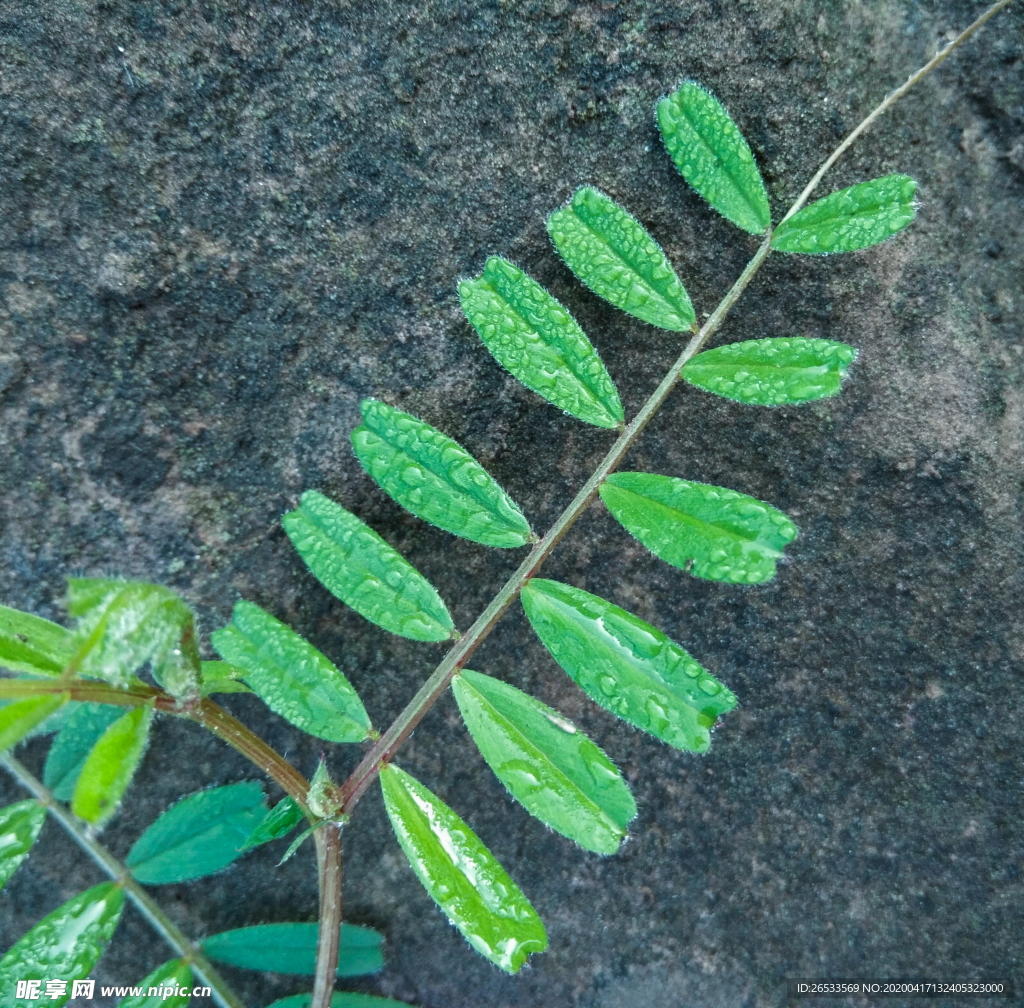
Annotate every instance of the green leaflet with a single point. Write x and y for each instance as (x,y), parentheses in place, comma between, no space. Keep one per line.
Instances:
(72,745)
(728,535)
(19,718)
(534,337)
(355,565)
(171,975)
(20,824)
(291,676)
(277,823)
(220,677)
(341,999)
(291,948)
(550,767)
(64,945)
(618,260)
(461,874)
(436,479)
(626,665)
(772,372)
(32,644)
(199,835)
(300,840)
(709,149)
(110,766)
(124,624)
(853,218)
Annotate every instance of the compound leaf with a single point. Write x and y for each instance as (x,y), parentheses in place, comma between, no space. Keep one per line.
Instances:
(199,835)
(851,219)
(355,565)
(110,766)
(772,372)
(626,665)
(461,875)
(341,999)
(291,948)
(32,644)
(19,718)
(171,975)
(291,676)
(550,767)
(277,823)
(728,536)
(124,624)
(435,478)
(713,156)
(20,824)
(65,945)
(73,744)
(537,340)
(610,251)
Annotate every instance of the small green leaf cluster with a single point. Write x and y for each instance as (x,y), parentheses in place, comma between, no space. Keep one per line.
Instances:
(202,834)
(121,627)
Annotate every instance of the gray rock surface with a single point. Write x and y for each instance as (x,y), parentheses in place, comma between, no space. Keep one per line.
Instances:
(223,225)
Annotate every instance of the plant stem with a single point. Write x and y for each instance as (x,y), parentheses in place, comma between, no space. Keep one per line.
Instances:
(150,909)
(328,841)
(402,727)
(89,691)
(207,713)
(212,716)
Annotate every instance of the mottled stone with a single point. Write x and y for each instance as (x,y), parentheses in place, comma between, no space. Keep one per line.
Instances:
(224,225)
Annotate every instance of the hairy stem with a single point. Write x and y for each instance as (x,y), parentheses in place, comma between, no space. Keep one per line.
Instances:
(402,727)
(212,716)
(150,909)
(327,839)
(207,713)
(328,843)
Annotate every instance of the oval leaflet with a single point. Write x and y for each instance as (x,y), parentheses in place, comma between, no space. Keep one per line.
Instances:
(66,944)
(355,565)
(612,253)
(531,335)
(550,767)
(110,766)
(291,948)
(199,835)
(772,372)
(626,665)
(435,478)
(20,824)
(461,875)
(291,676)
(72,746)
(853,218)
(712,155)
(728,536)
